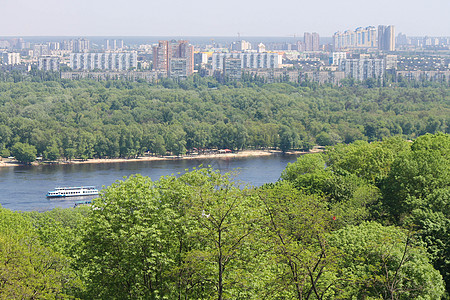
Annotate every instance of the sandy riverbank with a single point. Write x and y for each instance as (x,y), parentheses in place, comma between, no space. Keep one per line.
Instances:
(240,154)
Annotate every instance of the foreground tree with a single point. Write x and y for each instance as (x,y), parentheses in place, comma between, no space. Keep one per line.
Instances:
(125,251)
(174,238)
(223,219)
(29,269)
(383,262)
(416,195)
(295,227)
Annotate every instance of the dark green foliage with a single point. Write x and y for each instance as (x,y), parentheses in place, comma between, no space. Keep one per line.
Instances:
(416,174)
(383,263)
(201,235)
(85,119)
(393,182)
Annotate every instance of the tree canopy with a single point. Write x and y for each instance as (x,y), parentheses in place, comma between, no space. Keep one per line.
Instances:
(86,119)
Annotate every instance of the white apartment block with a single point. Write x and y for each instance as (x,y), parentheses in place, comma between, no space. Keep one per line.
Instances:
(337,57)
(49,63)
(249,60)
(362,69)
(359,38)
(390,61)
(118,61)
(8,58)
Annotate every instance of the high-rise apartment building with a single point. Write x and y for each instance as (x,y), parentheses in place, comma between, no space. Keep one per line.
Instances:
(249,60)
(161,56)
(390,62)
(363,68)
(200,58)
(232,68)
(81,45)
(311,41)
(357,39)
(54,45)
(300,46)
(49,63)
(40,50)
(315,41)
(386,38)
(307,40)
(401,39)
(241,46)
(113,44)
(8,58)
(337,57)
(182,54)
(67,45)
(116,61)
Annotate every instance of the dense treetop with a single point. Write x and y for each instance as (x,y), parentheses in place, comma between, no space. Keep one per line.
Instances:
(85,119)
(338,225)
(367,218)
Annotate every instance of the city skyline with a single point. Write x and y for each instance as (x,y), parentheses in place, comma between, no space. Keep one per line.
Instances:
(201,18)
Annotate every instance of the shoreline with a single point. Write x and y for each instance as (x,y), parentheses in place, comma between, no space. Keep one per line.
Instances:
(240,154)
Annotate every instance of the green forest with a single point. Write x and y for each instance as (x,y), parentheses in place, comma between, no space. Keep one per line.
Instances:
(64,120)
(367,220)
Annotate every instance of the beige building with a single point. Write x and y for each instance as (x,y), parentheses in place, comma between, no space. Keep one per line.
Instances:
(174,58)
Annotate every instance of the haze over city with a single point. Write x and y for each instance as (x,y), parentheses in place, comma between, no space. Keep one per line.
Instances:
(209,18)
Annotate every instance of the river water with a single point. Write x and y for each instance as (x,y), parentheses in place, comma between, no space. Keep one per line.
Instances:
(24,188)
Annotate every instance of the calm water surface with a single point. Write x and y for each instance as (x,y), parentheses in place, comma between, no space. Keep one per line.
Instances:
(24,188)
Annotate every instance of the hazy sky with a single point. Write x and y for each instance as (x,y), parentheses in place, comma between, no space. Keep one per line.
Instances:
(218,18)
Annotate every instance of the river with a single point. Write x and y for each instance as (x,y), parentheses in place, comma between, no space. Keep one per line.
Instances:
(24,188)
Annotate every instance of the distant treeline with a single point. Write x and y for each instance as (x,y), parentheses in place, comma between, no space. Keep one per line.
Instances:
(86,119)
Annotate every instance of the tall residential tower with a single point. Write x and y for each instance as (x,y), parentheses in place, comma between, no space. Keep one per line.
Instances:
(360,38)
(174,58)
(311,41)
(386,38)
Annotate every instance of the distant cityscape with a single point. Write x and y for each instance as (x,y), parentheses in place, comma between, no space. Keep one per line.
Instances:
(359,54)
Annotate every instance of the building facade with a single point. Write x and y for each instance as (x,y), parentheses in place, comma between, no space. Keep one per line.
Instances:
(337,57)
(180,52)
(40,50)
(232,68)
(249,60)
(49,63)
(200,58)
(10,58)
(117,61)
(241,46)
(363,68)
(386,38)
(311,41)
(113,44)
(81,45)
(360,38)
(390,62)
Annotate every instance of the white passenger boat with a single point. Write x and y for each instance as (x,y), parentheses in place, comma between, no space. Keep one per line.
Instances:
(73,191)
